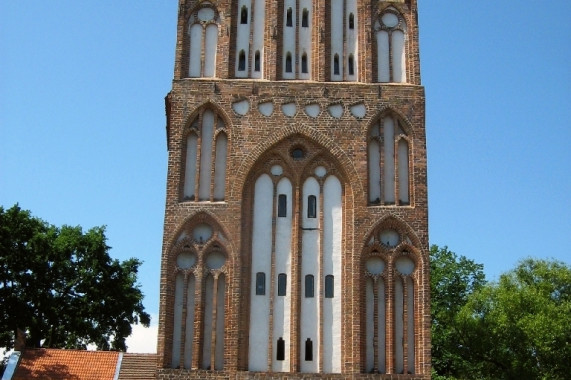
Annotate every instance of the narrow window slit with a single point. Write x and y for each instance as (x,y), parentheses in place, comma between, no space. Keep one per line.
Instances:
(308,350)
(312,206)
(282,284)
(282,206)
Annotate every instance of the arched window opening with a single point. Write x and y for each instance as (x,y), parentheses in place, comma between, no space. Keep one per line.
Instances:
(204,159)
(242,61)
(257,61)
(308,350)
(351,21)
(304,68)
(391,46)
(309,288)
(260,284)
(329,285)
(244,15)
(282,284)
(305,18)
(351,64)
(289,17)
(336,64)
(280,352)
(289,66)
(312,206)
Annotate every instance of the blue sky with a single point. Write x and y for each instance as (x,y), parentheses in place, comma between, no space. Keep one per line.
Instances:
(82,123)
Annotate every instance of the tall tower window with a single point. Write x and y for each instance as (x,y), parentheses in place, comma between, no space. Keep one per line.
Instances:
(205,158)
(312,206)
(257,61)
(282,206)
(351,65)
(391,32)
(336,70)
(203,41)
(309,286)
(329,286)
(308,350)
(343,40)
(351,21)
(280,352)
(389,171)
(289,17)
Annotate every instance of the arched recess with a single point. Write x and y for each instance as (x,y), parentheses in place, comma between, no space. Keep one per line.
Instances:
(391,36)
(389,161)
(295,202)
(336,153)
(201,41)
(392,266)
(199,262)
(204,156)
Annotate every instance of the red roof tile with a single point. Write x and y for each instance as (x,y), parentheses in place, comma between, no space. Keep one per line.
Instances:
(53,364)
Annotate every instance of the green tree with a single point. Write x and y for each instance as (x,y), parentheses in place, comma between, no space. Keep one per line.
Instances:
(520,327)
(60,286)
(453,279)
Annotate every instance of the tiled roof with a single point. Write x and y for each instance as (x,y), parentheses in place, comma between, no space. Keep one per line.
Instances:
(138,367)
(54,364)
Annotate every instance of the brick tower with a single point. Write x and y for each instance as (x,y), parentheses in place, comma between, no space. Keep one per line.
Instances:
(296,229)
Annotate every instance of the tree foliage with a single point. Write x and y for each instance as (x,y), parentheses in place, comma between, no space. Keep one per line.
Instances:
(520,327)
(516,328)
(453,279)
(60,286)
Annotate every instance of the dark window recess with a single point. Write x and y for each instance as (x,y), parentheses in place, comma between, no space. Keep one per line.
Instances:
(282,206)
(304,69)
(289,68)
(329,285)
(336,64)
(297,154)
(282,284)
(260,283)
(244,15)
(280,354)
(257,61)
(289,17)
(242,61)
(351,21)
(308,350)
(305,18)
(312,206)
(309,291)
(351,65)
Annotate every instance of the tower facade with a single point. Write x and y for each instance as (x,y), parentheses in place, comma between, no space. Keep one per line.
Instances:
(296,224)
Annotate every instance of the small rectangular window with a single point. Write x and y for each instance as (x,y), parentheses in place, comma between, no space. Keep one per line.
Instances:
(336,64)
(312,206)
(257,61)
(282,206)
(304,69)
(260,284)
(282,284)
(308,350)
(289,17)
(289,65)
(329,286)
(309,289)
(280,354)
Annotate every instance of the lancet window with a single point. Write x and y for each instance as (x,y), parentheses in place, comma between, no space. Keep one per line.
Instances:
(250,22)
(205,152)
(391,35)
(392,272)
(389,162)
(297,39)
(199,310)
(344,40)
(203,41)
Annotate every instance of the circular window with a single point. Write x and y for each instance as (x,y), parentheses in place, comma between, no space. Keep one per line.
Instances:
(390,238)
(375,265)
(320,171)
(186,260)
(297,154)
(276,170)
(202,233)
(405,265)
(390,20)
(215,260)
